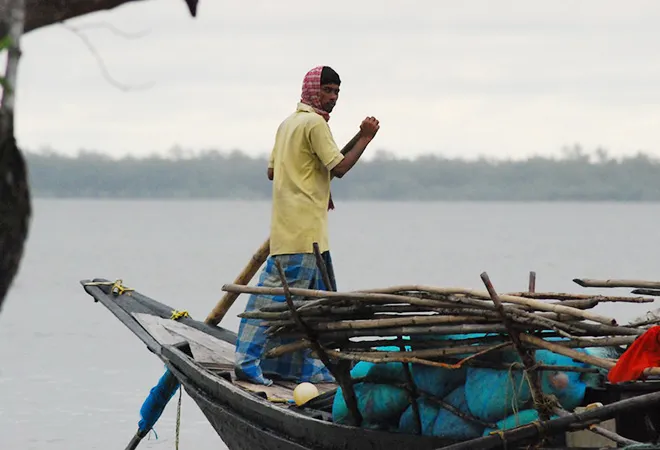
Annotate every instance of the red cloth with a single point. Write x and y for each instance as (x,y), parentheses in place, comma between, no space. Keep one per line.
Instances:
(641,354)
(311,91)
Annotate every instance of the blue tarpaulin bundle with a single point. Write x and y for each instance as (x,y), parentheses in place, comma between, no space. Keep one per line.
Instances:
(155,403)
(496,396)
(438,421)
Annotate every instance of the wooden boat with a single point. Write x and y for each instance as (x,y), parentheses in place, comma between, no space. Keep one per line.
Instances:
(248,416)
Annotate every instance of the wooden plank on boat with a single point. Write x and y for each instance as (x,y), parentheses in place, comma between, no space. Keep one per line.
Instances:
(153,325)
(274,392)
(280,390)
(205,348)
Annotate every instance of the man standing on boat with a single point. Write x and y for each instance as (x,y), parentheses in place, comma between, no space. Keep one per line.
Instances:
(303,161)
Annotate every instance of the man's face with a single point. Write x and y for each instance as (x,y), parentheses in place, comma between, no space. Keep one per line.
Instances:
(329,96)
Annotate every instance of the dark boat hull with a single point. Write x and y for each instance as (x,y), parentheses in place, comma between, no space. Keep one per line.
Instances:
(214,397)
(243,419)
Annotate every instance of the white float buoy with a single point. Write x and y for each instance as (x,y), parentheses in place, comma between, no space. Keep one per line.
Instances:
(304,392)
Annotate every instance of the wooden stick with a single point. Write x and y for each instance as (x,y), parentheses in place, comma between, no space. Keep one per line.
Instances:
(412,392)
(410,357)
(457,412)
(599,430)
(649,321)
(313,293)
(652,292)
(452,361)
(440,349)
(581,420)
(608,330)
(586,282)
(526,356)
(370,344)
(518,366)
(343,380)
(365,324)
(586,303)
(394,298)
(409,331)
(563,296)
(366,310)
(386,356)
(562,350)
(539,305)
(322,268)
(220,310)
(329,323)
(532,282)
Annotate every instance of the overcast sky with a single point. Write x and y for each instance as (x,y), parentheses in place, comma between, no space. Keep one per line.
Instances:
(459,78)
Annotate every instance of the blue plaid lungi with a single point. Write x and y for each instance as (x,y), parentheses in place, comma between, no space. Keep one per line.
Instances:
(301,271)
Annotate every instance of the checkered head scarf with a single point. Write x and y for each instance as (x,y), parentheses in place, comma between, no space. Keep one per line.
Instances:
(311,87)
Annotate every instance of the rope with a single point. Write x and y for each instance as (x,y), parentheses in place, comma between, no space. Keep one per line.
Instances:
(176,315)
(514,394)
(178,419)
(117,286)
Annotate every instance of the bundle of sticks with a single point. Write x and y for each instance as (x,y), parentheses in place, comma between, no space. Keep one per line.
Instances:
(346,327)
(355,325)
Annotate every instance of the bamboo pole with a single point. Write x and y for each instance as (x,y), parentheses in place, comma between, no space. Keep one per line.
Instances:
(222,307)
(587,282)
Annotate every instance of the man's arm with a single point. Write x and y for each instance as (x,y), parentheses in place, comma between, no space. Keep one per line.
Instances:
(354,149)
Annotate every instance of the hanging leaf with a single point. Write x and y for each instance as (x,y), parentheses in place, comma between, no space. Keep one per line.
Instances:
(4,84)
(5,42)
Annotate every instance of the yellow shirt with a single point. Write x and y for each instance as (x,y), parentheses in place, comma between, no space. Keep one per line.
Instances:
(302,158)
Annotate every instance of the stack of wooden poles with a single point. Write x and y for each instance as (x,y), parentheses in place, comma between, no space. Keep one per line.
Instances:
(354,325)
(342,328)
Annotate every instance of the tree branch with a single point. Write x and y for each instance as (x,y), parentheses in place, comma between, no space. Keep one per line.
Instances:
(104,70)
(16,16)
(41,13)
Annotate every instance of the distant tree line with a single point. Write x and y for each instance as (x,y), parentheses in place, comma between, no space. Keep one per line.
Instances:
(575,176)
